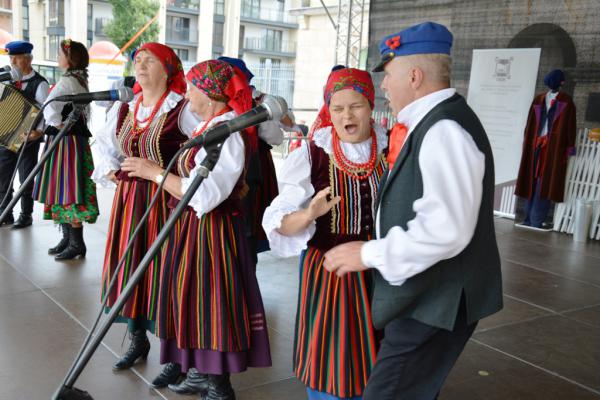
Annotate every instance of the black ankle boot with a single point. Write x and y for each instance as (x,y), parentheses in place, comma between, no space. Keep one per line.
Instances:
(76,247)
(219,388)
(139,348)
(64,242)
(194,382)
(169,375)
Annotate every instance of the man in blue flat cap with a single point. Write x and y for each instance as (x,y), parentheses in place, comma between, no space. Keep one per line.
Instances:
(435,261)
(35,88)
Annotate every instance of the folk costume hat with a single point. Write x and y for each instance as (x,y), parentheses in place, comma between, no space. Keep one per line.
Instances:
(171,64)
(554,79)
(240,64)
(17,47)
(344,78)
(424,38)
(220,81)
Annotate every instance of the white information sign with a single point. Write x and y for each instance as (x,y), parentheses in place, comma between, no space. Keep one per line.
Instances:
(501,89)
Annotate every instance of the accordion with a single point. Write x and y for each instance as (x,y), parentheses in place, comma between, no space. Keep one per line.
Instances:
(17,114)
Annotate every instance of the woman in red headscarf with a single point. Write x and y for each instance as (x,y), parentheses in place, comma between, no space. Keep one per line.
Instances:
(327,194)
(151,127)
(211,319)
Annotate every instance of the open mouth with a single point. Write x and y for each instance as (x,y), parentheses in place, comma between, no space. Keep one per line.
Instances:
(351,129)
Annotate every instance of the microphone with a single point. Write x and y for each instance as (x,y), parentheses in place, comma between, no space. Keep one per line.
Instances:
(6,68)
(12,75)
(123,94)
(272,108)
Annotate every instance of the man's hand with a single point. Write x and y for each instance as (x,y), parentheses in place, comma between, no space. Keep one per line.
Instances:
(33,136)
(345,258)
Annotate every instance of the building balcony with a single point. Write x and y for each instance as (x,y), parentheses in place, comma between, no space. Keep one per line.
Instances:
(266,16)
(277,48)
(182,36)
(5,6)
(184,6)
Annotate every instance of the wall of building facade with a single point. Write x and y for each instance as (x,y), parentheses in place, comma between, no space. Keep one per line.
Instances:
(567,32)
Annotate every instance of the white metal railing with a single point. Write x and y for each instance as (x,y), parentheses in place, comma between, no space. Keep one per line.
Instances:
(583,181)
(275,79)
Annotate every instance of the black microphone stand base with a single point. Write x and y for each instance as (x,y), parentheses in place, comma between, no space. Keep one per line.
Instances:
(72,393)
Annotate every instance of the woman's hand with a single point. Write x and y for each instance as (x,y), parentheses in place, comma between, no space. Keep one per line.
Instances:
(141,168)
(112,176)
(319,205)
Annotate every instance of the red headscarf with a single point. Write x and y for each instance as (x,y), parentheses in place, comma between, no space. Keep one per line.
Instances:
(222,82)
(340,79)
(171,63)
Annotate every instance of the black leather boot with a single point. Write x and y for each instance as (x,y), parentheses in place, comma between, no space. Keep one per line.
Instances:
(76,247)
(23,221)
(194,382)
(169,375)
(138,348)
(64,242)
(9,220)
(219,388)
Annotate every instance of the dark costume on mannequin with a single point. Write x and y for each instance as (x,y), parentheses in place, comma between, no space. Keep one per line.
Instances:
(549,141)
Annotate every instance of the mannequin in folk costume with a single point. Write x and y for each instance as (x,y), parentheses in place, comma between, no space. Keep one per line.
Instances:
(549,141)
(327,194)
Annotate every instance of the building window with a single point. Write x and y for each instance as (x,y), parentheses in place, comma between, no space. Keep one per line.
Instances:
(26,20)
(183,54)
(219,7)
(251,8)
(272,39)
(6,4)
(53,46)
(56,13)
(90,25)
(218,28)
(178,28)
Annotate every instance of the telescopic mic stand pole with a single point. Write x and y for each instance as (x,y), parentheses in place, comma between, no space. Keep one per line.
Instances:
(66,391)
(68,124)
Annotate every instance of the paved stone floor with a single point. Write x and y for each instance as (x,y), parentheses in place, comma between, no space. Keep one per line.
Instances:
(544,345)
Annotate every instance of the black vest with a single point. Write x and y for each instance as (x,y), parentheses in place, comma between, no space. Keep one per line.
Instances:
(32,85)
(433,296)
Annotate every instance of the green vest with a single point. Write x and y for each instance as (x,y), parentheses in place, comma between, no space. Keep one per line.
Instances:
(433,296)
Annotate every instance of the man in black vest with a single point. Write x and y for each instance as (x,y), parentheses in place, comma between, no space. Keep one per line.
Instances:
(435,261)
(35,88)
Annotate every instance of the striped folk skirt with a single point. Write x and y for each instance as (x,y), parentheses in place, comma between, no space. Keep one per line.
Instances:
(65,185)
(335,341)
(132,199)
(210,312)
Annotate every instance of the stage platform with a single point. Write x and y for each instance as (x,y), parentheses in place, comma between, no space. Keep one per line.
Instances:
(544,345)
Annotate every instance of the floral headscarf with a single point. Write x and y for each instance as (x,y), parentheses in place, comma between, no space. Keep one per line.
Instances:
(340,79)
(171,63)
(222,82)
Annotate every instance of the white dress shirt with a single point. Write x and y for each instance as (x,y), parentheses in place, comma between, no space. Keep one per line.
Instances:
(219,184)
(106,150)
(452,169)
(296,189)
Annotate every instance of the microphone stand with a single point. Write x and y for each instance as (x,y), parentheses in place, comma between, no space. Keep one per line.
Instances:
(68,124)
(66,391)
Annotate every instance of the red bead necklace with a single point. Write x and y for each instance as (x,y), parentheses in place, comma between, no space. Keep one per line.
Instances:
(136,129)
(200,131)
(359,171)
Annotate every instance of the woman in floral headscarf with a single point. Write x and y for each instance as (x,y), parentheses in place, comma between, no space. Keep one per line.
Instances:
(151,127)
(64,185)
(211,318)
(327,192)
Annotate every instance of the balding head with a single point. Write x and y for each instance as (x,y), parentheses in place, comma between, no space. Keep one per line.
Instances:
(409,78)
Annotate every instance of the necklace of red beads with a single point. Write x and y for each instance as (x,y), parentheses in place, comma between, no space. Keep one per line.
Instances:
(360,171)
(136,128)
(200,131)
